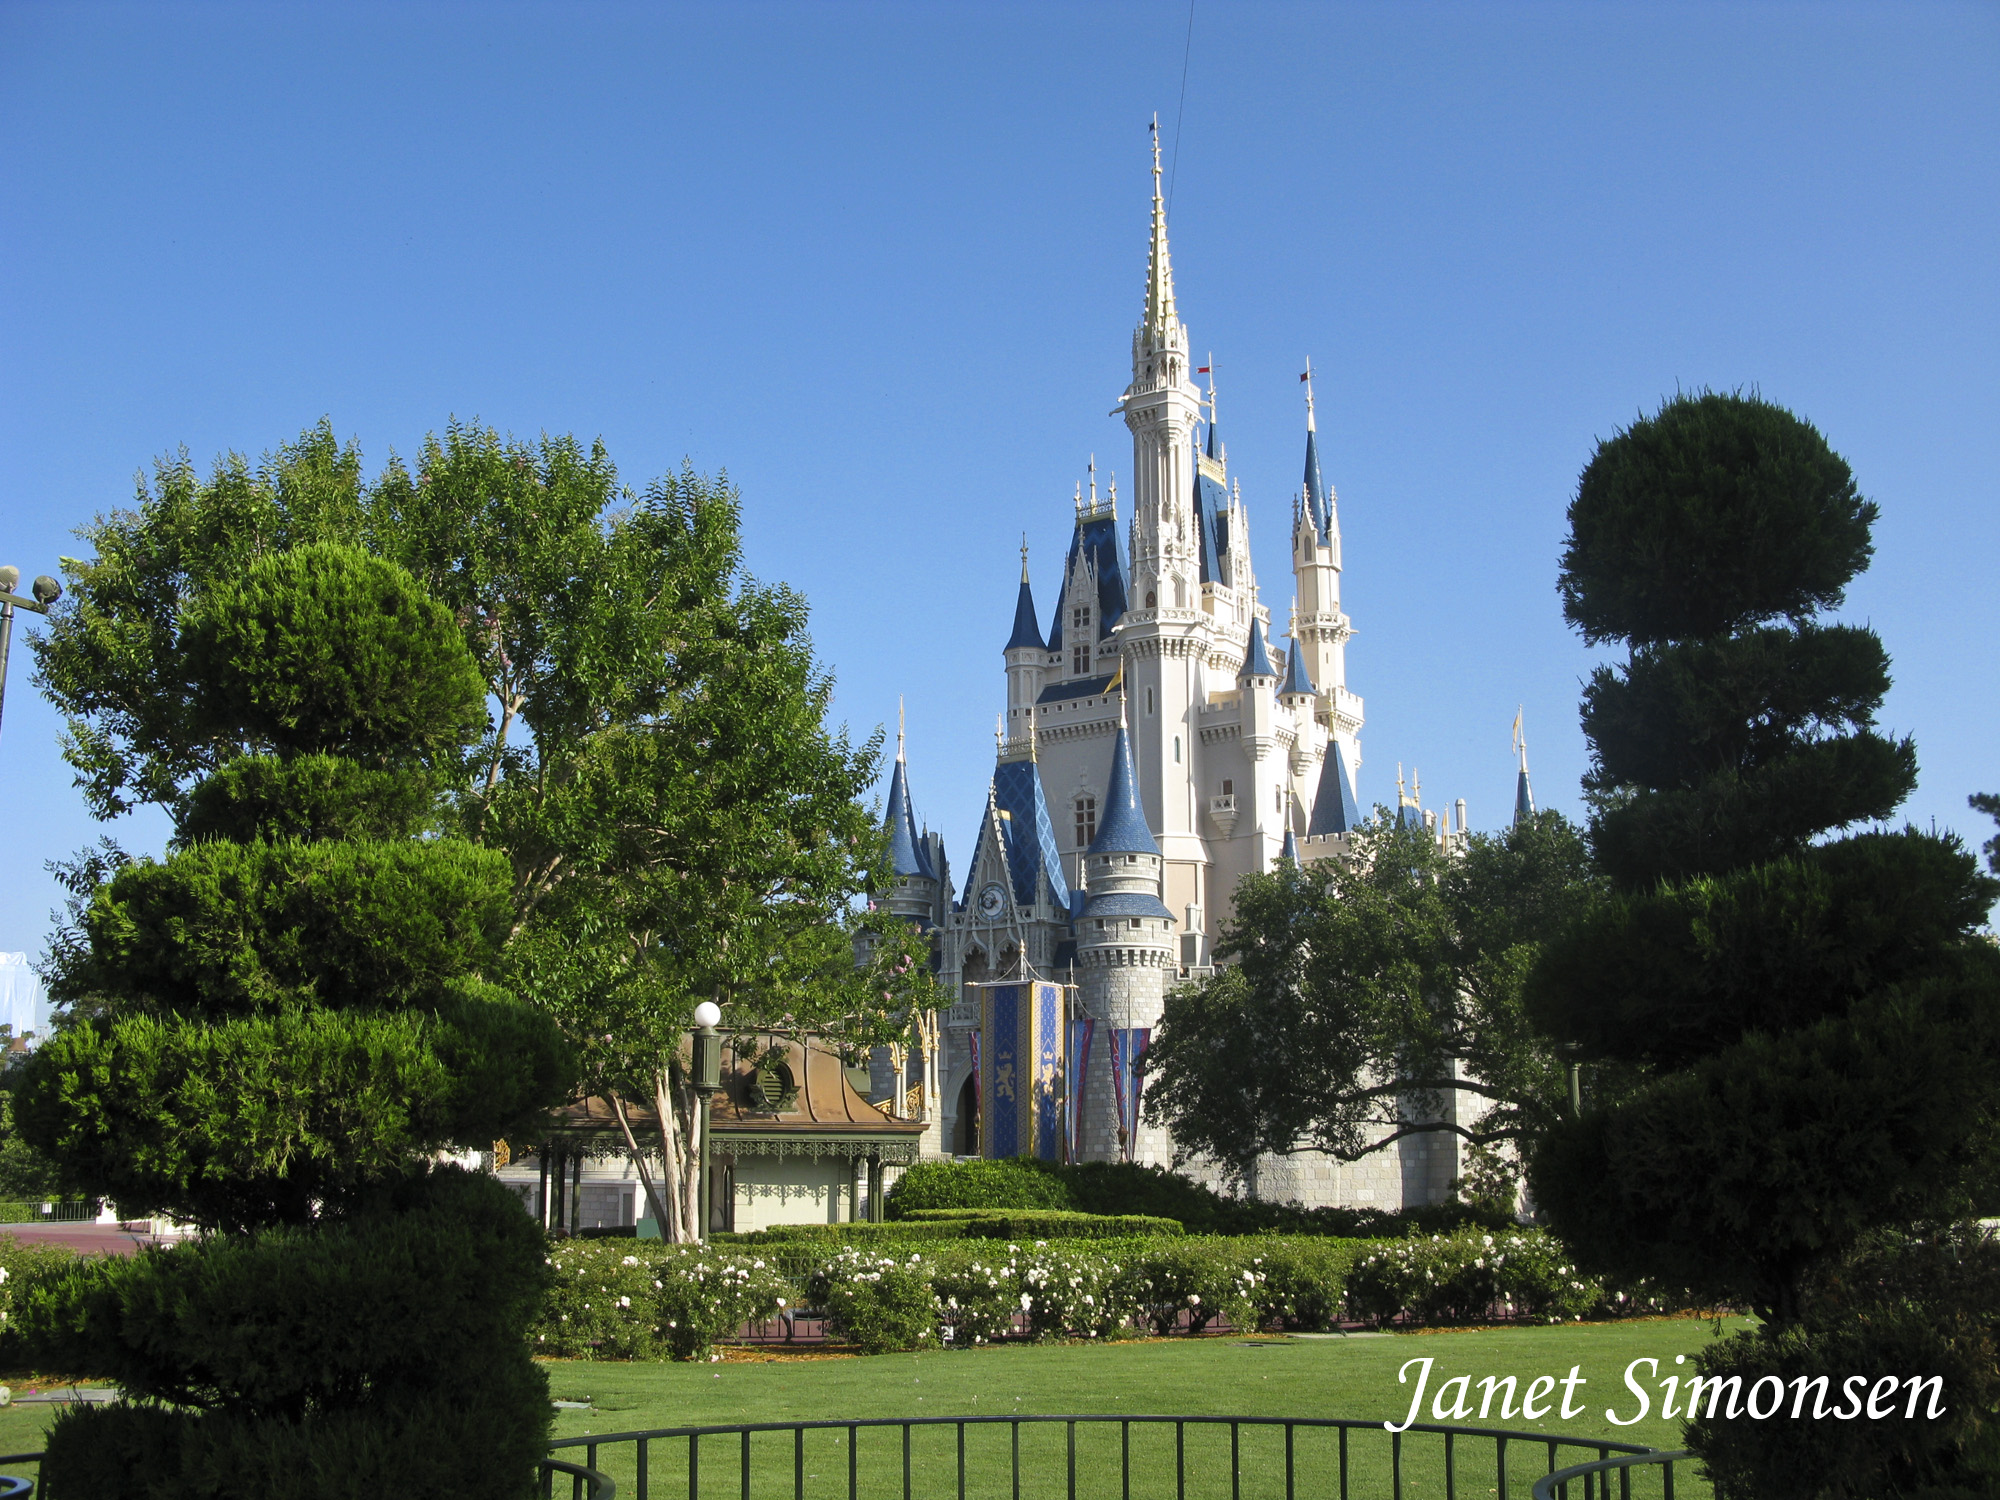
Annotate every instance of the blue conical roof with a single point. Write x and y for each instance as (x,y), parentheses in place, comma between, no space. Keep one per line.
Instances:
(907,855)
(1257,660)
(1296,680)
(1027,630)
(1334,807)
(1123,828)
(1524,798)
(1322,512)
(1291,849)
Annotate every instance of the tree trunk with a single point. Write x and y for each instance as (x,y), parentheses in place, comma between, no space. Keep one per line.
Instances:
(674,1227)
(654,1198)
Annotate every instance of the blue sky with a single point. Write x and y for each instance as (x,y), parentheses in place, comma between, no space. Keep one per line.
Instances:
(882,262)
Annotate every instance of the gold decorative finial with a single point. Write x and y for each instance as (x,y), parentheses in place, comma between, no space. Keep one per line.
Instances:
(899,728)
(1520,740)
(1024,557)
(1032,757)
(1308,379)
(1156,155)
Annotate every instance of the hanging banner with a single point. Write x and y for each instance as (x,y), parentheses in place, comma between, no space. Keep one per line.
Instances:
(978,1098)
(1080,1035)
(1021,1070)
(1128,1067)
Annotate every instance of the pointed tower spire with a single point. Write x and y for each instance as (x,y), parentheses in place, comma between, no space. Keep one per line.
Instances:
(1123,828)
(1161,317)
(908,857)
(1334,809)
(1524,795)
(1027,629)
(1316,499)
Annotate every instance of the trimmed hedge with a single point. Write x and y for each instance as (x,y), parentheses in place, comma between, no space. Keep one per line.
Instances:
(621,1301)
(934,1225)
(1126,1188)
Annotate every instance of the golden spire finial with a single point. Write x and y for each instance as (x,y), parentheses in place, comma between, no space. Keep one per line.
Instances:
(1024,557)
(899,728)
(1307,378)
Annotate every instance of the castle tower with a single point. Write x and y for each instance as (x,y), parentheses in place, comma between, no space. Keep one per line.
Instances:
(1166,637)
(914,896)
(1269,769)
(1322,627)
(1125,958)
(1524,795)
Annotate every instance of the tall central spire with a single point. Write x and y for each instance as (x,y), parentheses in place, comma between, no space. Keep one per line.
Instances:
(1161,316)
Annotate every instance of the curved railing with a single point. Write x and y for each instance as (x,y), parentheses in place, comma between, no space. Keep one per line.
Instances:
(585,1483)
(1550,1486)
(12,1485)
(1088,1454)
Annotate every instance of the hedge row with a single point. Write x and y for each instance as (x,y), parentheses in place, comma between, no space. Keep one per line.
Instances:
(1120,1188)
(648,1301)
(931,1225)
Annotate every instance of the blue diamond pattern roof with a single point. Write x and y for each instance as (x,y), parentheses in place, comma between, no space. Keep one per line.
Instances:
(1334,807)
(1123,828)
(1027,834)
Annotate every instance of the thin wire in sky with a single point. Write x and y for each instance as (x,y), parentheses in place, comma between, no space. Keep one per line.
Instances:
(1187,51)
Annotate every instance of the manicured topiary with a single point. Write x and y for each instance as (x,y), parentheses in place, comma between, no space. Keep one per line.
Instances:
(273,1034)
(1791,1042)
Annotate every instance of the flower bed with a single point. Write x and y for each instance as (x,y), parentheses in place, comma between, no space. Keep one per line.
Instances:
(626,1299)
(637,1301)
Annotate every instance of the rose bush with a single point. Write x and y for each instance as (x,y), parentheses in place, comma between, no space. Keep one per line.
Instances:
(877,1302)
(630,1299)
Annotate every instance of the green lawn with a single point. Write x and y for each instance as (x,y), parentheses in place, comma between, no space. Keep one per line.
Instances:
(1353,1377)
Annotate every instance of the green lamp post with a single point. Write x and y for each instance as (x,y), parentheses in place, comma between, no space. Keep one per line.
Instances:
(707,1079)
(46,591)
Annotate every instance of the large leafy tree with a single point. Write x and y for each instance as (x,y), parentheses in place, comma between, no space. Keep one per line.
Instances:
(1794,1039)
(1357,995)
(287,1019)
(679,822)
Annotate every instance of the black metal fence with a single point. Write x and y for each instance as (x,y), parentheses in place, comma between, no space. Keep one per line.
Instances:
(1100,1456)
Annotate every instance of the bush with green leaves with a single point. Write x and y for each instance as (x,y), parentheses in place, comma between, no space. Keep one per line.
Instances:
(879,1303)
(1131,1189)
(273,1033)
(1200,1279)
(1303,1280)
(1468,1276)
(24,1266)
(639,1299)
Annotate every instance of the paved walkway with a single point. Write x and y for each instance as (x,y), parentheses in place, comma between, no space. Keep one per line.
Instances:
(87,1239)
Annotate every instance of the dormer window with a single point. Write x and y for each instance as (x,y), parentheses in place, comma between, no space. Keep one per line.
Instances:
(1086,822)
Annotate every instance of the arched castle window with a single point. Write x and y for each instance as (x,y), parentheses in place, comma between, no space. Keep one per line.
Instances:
(1149,703)
(1152,599)
(1177,749)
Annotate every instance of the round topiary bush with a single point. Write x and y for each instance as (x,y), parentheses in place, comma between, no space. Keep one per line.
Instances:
(274,1033)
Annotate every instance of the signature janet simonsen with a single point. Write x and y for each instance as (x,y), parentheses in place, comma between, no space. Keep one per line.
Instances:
(1814,1398)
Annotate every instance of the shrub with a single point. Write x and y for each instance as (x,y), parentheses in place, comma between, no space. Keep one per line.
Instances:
(23,1267)
(879,1303)
(1013,1182)
(1304,1281)
(1205,1279)
(1463,1276)
(624,1299)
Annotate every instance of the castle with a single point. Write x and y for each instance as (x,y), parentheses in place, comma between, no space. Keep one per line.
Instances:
(1157,745)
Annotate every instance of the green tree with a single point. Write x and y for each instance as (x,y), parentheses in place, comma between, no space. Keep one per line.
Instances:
(1793,1039)
(277,1030)
(1356,995)
(678,821)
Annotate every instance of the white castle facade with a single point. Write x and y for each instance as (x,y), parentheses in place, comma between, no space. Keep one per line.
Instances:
(1157,745)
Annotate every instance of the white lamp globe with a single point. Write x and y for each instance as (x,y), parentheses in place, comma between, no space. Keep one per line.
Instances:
(708,1013)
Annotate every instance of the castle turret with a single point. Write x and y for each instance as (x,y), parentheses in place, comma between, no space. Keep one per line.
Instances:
(1027,653)
(914,894)
(1524,795)
(1321,626)
(1125,954)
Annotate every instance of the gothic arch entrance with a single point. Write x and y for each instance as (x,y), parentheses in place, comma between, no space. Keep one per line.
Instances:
(965,1129)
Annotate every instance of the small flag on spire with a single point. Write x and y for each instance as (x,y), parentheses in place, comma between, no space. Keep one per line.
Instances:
(1201,369)
(1305,377)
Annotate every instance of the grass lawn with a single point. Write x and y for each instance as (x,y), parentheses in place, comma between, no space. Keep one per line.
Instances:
(1352,1377)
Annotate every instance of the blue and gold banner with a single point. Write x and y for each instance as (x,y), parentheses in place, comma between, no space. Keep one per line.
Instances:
(1021,1070)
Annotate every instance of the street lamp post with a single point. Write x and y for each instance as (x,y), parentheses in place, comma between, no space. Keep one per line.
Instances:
(707,1079)
(47,591)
